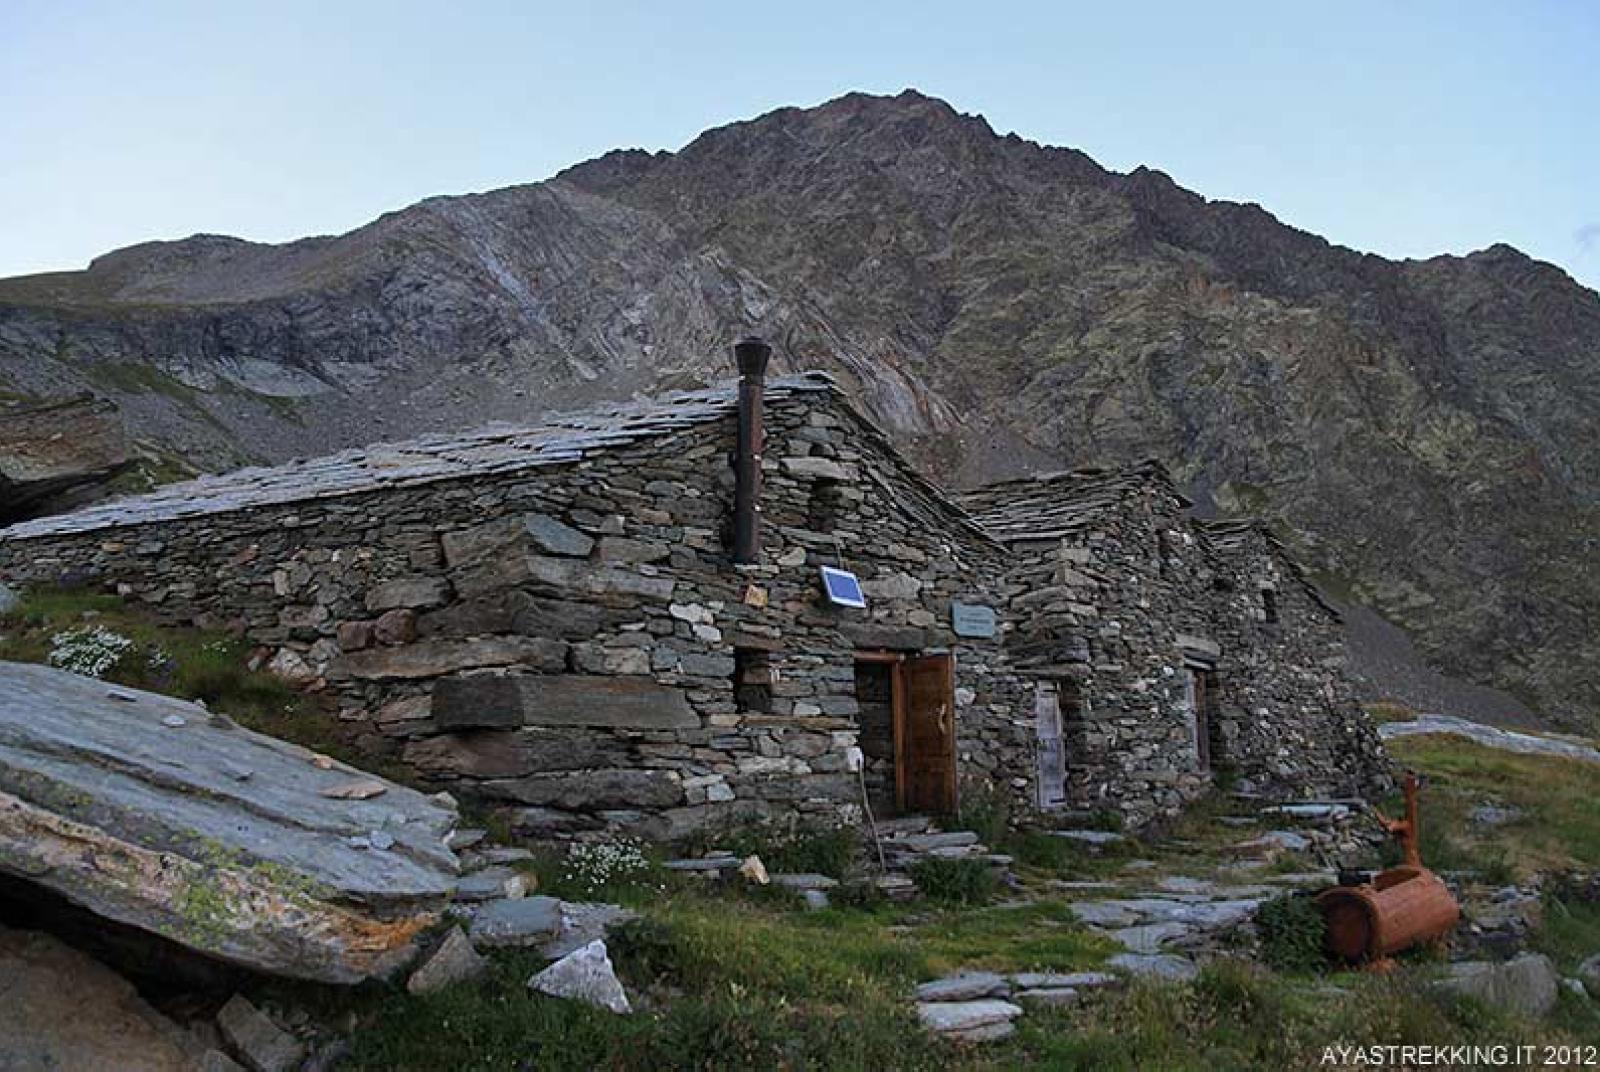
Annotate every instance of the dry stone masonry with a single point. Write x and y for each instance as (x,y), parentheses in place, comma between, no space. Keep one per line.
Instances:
(549,619)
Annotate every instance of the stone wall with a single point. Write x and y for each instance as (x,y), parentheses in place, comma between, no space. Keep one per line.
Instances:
(565,639)
(1139,613)
(1288,721)
(1101,611)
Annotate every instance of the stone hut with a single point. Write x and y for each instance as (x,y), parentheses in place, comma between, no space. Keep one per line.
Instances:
(555,619)
(551,617)
(1168,652)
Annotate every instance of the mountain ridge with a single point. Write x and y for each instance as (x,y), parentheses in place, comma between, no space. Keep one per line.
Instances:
(1421,429)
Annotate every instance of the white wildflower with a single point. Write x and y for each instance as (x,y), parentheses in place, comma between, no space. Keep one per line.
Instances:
(90,651)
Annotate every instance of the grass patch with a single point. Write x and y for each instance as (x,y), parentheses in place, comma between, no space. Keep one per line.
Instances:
(1383,711)
(1039,937)
(1240,1016)
(798,848)
(1559,800)
(955,881)
(1571,930)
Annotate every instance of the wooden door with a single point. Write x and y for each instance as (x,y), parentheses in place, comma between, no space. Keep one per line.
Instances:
(925,735)
(1052,765)
(1202,716)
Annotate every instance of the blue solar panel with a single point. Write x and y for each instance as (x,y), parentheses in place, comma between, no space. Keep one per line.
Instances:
(842,587)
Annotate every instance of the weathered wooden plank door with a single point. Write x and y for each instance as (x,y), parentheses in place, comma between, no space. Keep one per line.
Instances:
(1052,769)
(926,735)
(1200,703)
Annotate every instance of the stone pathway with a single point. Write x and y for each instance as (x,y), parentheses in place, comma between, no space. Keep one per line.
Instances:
(978,1006)
(1182,913)
(1491,737)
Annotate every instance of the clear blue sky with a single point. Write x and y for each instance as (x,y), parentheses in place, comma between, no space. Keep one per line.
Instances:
(1407,129)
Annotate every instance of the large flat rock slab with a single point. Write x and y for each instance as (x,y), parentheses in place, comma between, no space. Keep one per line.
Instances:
(156,813)
(1527,744)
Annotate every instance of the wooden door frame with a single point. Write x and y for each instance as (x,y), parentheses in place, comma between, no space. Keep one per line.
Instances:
(897,711)
(1202,677)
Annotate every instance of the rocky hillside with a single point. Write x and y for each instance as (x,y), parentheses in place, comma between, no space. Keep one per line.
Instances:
(1425,430)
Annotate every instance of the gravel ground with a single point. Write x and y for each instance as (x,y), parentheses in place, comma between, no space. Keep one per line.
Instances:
(1386,666)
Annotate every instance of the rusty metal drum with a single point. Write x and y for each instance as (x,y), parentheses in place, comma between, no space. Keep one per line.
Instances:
(1400,908)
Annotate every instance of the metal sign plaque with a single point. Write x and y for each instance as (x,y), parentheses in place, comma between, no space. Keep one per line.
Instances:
(972,620)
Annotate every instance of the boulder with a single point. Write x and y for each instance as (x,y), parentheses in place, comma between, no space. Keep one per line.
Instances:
(1149,937)
(132,808)
(9,600)
(1526,985)
(260,1043)
(584,975)
(453,961)
(753,870)
(62,1009)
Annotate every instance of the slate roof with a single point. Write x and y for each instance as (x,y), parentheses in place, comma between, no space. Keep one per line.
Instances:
(559,439)
(1052,505)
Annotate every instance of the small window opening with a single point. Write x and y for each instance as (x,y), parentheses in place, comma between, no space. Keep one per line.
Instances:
(752,681)
(1269,604)
(824,505)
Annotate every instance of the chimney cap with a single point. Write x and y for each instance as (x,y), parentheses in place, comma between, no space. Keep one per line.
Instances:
(751,354)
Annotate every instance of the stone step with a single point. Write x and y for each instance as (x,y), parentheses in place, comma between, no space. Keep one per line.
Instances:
(805,882)
(1088,980)
(1095,839)
(964,986)
(896,887)
(1053,997)
(971,1020)
(704,863)
(930,842)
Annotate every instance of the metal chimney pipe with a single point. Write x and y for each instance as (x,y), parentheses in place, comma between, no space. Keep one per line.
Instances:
(751,355)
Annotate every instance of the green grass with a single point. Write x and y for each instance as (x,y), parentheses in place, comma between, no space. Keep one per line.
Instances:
(793,849)
(1388,711)
(960,882)
(727,984)
(1558,830)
